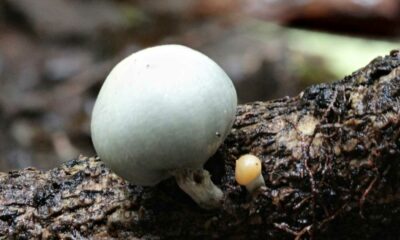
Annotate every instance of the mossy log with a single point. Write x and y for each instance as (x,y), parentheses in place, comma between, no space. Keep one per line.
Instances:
(331,163)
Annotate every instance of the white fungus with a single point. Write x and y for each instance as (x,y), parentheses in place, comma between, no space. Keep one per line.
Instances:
(164,111)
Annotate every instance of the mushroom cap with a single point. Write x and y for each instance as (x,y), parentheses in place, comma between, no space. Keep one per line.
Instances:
(160,109)
(248,168)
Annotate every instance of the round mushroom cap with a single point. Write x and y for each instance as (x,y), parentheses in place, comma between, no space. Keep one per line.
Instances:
(248,168)
(160,109)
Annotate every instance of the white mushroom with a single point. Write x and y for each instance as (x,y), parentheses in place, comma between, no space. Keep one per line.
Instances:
(164,111)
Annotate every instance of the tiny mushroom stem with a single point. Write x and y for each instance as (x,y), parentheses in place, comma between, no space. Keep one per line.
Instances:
(248,172)
(157,115)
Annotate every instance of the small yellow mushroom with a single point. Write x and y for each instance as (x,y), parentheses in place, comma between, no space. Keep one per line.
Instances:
(248,172)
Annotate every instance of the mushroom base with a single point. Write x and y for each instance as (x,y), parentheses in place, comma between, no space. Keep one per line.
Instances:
(255,184)
(198,185)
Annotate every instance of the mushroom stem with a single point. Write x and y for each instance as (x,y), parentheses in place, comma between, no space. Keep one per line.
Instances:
(198,185)
(255,184)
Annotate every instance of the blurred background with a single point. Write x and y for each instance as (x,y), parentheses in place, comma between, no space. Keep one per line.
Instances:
(55,54)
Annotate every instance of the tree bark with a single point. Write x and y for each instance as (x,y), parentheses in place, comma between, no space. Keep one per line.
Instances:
(330,162)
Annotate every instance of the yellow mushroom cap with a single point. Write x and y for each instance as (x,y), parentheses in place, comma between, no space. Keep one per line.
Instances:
(248,167)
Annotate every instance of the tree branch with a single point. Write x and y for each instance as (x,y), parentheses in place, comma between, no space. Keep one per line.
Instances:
(330,162)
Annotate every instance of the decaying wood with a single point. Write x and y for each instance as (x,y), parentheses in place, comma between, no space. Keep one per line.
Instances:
(331,163)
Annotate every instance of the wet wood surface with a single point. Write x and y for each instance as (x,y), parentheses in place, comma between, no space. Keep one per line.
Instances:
(330,163)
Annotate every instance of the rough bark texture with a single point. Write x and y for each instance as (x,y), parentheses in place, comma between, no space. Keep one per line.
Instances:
(330,162)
